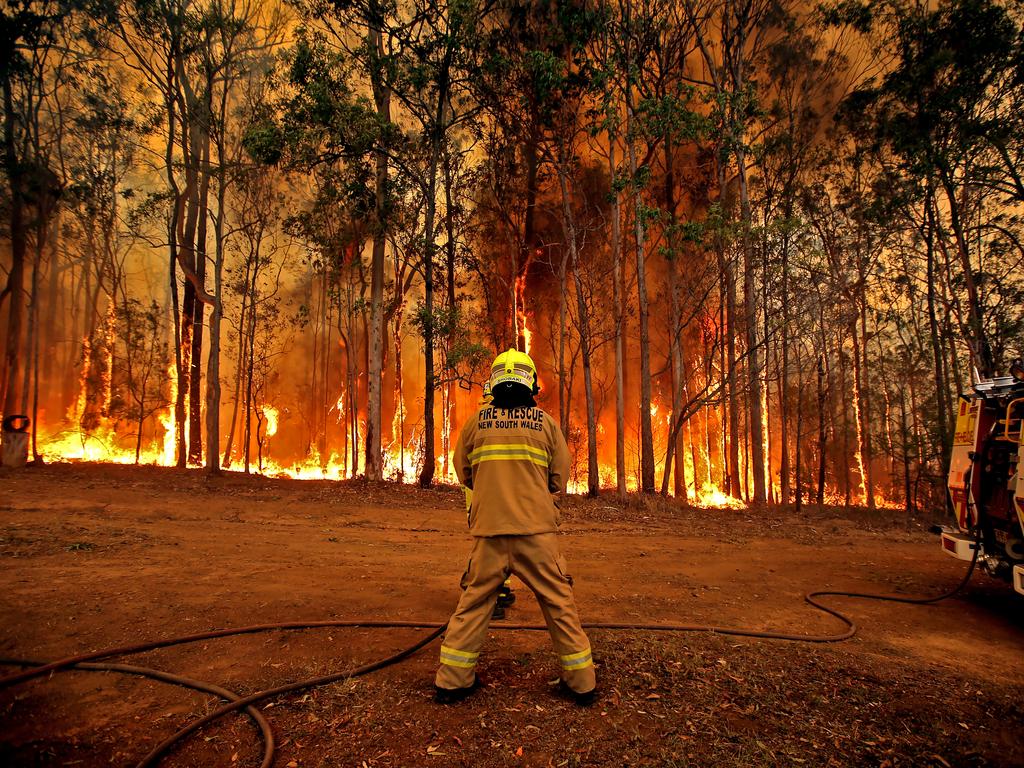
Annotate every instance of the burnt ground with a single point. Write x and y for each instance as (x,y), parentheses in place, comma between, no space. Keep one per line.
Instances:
(97,556)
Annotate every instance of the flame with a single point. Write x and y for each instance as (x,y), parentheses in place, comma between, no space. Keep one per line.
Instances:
(108,368)
(711,497)
(858,453)
(520,314)
(271,414)
(77,408)
(167,420)
(111,441)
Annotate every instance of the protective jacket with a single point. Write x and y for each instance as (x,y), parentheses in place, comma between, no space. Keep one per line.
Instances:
(513,460)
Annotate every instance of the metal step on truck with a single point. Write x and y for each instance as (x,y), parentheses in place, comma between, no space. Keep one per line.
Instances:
(986,478)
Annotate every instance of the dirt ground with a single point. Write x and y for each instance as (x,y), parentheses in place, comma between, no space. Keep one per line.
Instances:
(94,556)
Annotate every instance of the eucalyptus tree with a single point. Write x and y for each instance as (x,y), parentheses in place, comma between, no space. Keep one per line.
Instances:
(38,48)
(568,82)
(946,112)
(731,36)
(192,56)
(434,68)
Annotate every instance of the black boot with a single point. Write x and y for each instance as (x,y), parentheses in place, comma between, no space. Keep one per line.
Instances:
(454,695)
(505,596)
(581,699)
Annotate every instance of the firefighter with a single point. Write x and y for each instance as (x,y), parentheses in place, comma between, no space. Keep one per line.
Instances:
(513,457)
(505,594)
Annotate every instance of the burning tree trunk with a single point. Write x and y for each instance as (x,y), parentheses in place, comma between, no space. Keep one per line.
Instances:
(822,433)
(863,455)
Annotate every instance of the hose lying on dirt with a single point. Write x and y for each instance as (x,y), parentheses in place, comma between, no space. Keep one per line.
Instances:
(185,682)
(246,702)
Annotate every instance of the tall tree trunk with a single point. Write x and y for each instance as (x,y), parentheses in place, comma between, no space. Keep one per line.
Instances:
(731,399)
(32,341)
(569,224)
(677,450)
(12,372)
(50,345)
(822,432)
(438,132)
(981,349)
(784,437)
(751,313)
(862,424)
(619,340)
(237,388)
(213,387)
(941,386)
(250,341)
(375,373)
(647,466)
(181,311)
(450,246)
(195,409)
(564,383)
(797,480)
(908,504)
(525,256)
(864,391)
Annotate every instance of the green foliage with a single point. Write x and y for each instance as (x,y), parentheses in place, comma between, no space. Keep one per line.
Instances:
(263,140)
(462,356)
(937,104)
(671,116)
(856,14)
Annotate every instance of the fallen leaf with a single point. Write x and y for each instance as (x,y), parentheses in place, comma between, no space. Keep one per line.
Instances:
(519,752)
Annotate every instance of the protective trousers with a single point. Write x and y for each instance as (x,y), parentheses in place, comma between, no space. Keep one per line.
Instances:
(536,561)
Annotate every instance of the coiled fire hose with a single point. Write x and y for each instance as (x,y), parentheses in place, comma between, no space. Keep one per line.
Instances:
(86,661)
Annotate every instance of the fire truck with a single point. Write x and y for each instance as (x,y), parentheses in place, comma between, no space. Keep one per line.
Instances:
(986,478)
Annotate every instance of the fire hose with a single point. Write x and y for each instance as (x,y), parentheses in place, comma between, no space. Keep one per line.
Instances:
(87,661)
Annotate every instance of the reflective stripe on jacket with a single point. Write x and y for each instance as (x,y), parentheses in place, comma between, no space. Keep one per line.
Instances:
(513,460)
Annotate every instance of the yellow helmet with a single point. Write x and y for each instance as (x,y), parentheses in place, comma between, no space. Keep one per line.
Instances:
(514,367)
(487,396)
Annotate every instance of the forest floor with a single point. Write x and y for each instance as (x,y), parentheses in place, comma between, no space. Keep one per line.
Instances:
(97,556)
